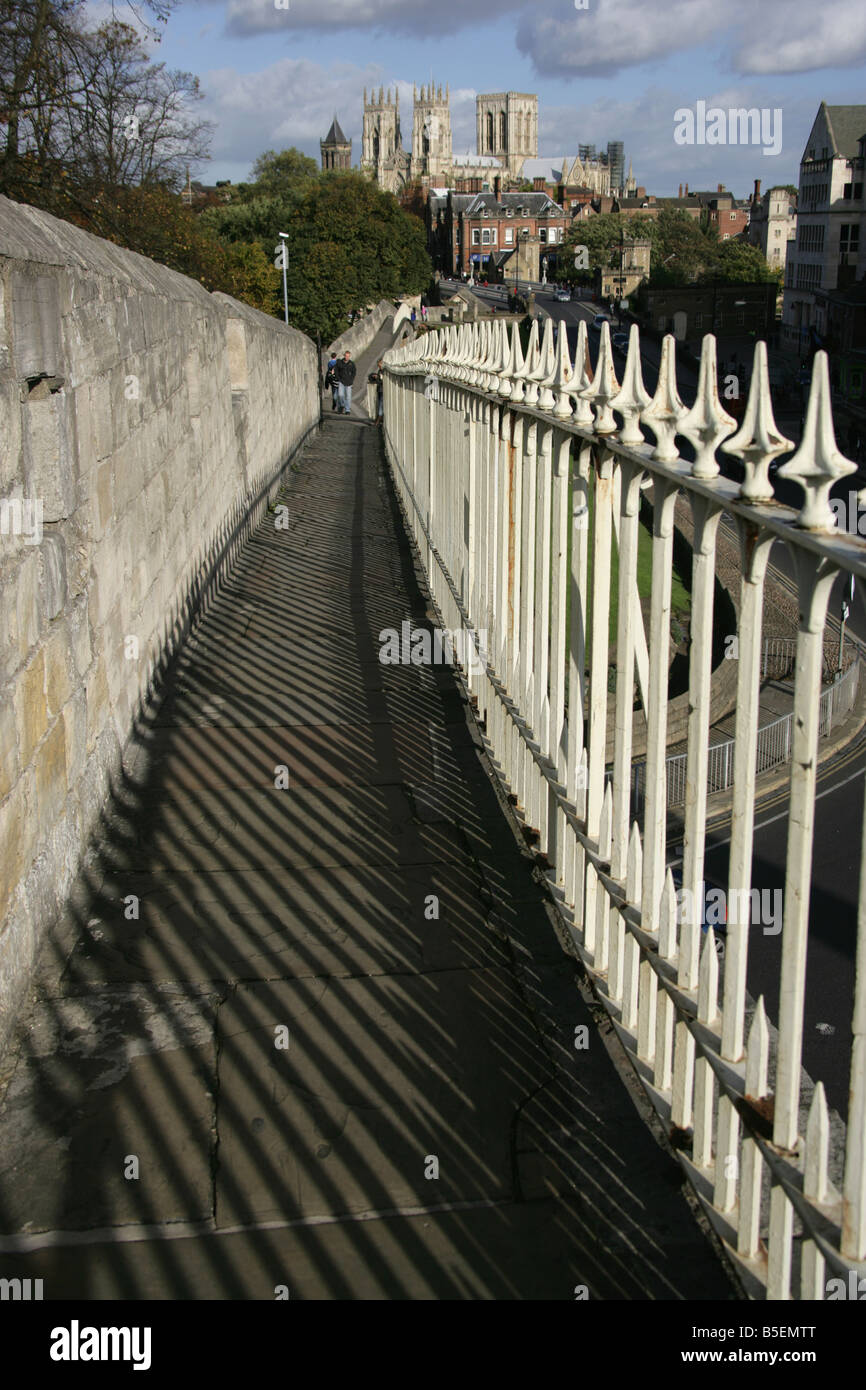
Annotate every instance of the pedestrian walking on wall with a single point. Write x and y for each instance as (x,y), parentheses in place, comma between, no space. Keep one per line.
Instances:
(333,381)
(346,370)
(413,316)
(378,380)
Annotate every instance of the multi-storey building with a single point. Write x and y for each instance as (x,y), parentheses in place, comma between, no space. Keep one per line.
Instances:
(721,210)
(773,223)
(483,233)
(829,254)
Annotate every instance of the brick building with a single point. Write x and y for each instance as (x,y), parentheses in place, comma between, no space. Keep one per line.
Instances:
(488,233)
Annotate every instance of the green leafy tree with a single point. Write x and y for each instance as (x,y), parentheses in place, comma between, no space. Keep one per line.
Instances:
(284,172)
(350,244)
(739,263)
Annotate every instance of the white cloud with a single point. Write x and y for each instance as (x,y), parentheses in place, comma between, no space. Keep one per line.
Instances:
(803,39)
(399,17)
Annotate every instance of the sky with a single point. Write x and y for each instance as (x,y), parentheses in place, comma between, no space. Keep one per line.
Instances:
(610,70)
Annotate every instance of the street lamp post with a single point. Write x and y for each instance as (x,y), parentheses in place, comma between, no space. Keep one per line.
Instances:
(284,261)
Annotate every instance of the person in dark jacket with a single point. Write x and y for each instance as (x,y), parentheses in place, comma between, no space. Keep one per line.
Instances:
(332,381)
(346,370)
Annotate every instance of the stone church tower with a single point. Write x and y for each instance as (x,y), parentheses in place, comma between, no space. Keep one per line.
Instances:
(382,153)
(506,125)
(431,133)
(336,149)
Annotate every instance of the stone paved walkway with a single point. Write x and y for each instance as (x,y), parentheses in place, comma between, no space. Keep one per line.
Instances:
(322,1035)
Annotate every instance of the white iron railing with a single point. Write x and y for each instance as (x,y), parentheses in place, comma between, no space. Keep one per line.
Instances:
(497,455)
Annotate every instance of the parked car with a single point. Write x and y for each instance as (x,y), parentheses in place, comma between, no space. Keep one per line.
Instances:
(620,342)
(598,321)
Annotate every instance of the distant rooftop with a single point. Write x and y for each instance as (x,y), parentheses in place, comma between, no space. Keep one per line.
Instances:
(335,135)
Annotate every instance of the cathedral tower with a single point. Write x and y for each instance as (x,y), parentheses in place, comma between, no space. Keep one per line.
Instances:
(431,133)
(506,125)
(381,141)
(336,149)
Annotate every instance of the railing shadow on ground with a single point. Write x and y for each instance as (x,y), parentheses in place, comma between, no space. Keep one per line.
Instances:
(153,1036)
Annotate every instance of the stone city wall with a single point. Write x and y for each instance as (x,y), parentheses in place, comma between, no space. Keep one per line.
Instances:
(144,425)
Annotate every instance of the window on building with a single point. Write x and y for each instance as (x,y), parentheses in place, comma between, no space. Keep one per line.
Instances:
(490,132)
(476,236)
(849,237)
(494,235)
(733,217)
(485,237)
(542,235)
(808,277)
(509,236)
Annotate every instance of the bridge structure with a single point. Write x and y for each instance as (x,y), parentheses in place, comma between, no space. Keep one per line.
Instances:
(501,453)
(340,956)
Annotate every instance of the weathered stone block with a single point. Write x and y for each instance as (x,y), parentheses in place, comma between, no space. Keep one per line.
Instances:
(103,424)
(9,765)
(28,618)
(37,322)
(58,668)
(52,554)
(75,730)
(50,769)
(31,707)
(13,843)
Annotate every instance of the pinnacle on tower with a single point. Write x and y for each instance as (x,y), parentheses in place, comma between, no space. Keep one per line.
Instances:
(365,96)
(381,96)
(440,92)
(415,91)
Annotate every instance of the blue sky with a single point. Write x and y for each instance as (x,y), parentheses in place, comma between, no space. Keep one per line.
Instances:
(618,69)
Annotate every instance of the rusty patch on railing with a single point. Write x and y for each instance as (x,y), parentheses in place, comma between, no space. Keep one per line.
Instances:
(509,447)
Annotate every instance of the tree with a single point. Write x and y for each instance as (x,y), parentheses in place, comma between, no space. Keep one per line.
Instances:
(123,121)
(100,115)
(739,263)
(288,171)
(39,41)
(350,244)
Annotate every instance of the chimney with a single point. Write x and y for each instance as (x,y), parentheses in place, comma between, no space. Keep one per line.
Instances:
(687,190)
(680,194)
(721,188)
(757,190)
